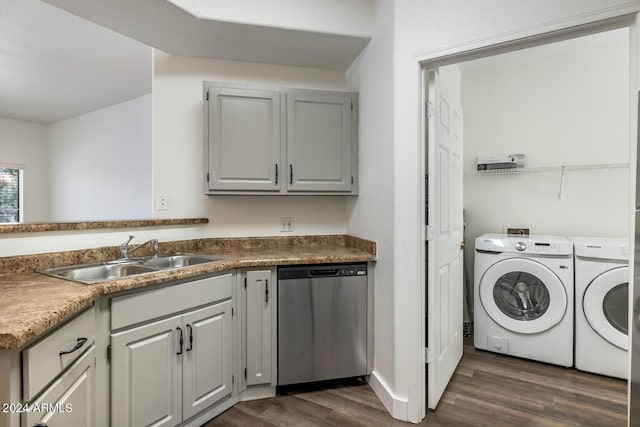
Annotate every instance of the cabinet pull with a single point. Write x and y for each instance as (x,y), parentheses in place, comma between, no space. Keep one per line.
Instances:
(290,174)
(81,341)
(180,340)
(276,174)
(40,425)
(266,291)
(190,328)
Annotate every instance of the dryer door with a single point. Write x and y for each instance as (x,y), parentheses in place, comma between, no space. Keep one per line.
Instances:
(606,308)
(523,296)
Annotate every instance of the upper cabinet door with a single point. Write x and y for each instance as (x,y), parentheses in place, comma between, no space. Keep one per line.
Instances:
(319,141)
(243,139)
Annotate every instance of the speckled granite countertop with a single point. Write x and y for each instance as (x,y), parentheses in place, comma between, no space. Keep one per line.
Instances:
(32,303)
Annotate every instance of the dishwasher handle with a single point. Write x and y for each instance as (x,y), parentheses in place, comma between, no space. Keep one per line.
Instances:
(318,272)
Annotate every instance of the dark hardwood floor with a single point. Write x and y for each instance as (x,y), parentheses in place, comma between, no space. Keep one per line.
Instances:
(486,390)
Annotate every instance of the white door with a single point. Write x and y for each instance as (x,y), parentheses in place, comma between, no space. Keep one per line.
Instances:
(445,254)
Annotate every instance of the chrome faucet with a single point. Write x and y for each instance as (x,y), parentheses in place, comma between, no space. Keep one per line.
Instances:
(124,248)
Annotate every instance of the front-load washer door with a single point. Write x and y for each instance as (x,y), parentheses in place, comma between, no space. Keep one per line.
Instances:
(605,305)
(523,296)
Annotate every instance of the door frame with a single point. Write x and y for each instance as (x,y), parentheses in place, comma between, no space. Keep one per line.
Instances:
(601,21)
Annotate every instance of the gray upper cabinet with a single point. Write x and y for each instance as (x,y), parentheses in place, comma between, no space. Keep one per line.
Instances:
(279,140)
(244,139)
(319,139)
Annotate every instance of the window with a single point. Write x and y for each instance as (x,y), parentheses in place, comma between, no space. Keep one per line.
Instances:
(11,206)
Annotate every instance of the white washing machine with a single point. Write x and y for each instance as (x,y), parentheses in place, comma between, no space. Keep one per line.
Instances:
(524,297)
(602,297)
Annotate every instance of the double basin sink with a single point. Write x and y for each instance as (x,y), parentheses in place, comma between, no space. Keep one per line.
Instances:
(117,269)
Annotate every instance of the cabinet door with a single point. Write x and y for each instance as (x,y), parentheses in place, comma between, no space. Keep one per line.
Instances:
(207,365)
(243,139)
(146,386)
(319,141)
(259,327)
(69,401)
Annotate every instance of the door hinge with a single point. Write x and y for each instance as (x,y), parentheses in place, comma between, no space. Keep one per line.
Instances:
(109,352)
(429,234)
(430,109)
(428,355)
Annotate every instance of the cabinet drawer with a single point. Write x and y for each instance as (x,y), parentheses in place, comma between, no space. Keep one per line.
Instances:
(144,306)
(42,361)
(70,398)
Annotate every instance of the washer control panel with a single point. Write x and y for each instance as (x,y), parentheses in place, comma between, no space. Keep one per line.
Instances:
(543,245)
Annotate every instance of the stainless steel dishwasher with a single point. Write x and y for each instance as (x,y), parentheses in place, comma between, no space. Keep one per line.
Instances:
(322,322)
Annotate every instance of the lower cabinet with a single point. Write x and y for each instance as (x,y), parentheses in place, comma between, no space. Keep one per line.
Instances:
(68,401)
(261,291)
(166,371)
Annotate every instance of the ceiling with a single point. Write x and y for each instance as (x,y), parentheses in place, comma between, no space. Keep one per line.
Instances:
(56,65)
(239,33)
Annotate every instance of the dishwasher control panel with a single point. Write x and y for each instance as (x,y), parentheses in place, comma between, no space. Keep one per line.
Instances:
(321,270)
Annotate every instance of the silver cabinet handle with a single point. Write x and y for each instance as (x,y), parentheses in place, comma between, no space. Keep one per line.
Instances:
(290,174)
(276,173)
(266,290)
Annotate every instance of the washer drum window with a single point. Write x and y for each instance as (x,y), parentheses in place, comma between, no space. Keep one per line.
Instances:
(605,305)
(523,295)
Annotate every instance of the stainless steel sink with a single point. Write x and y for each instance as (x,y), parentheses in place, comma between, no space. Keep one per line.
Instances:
(180,260)
(96,273)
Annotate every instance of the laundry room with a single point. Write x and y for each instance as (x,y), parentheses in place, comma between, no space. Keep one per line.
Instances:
(561,110)
(565,107)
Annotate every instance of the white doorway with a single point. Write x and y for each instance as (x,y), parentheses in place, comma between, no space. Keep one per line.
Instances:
(560,186)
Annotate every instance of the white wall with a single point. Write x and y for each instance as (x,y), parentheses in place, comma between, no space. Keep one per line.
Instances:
(371,214)
(178,150)
(564,104)
(25,143)
(101,163)
(423,31)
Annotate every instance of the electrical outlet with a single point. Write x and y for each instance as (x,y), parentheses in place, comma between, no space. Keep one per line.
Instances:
(286,224)
(163,202)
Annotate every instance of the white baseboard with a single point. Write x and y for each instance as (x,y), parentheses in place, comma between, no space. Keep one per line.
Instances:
(398,408)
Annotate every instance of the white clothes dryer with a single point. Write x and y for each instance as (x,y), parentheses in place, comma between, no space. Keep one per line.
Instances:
(523,297)
(602,310)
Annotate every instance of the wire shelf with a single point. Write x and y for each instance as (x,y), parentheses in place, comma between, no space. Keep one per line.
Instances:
(560,168)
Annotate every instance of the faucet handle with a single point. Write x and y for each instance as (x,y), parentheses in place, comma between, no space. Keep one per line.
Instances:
(124,248)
